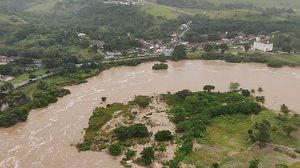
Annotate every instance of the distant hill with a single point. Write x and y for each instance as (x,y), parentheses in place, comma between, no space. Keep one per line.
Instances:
(18,4)
(293,4)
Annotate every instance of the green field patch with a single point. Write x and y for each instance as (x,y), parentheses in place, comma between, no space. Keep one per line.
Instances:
(100,117)
(160,10)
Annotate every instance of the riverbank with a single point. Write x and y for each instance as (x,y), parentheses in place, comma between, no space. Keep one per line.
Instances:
(273,60)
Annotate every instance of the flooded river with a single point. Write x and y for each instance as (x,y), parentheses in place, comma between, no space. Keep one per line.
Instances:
(45,139)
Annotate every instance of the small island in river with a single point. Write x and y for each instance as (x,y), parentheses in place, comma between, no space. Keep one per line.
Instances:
(201,129)
(160,66)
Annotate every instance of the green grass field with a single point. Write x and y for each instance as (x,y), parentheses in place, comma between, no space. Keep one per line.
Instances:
(25,76)
(160,10)
(226,142)
(295,4)
(43,7)
(238,14)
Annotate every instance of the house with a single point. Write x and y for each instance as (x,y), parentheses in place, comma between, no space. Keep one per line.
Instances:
(183,26)
(81,35)
(262,44)
(5,60)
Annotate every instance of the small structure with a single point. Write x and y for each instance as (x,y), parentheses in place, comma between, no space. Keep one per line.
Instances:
(5,60)
(81,35)
(183,26)
(262,44)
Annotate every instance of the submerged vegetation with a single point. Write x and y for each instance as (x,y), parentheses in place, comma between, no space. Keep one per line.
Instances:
(160,66)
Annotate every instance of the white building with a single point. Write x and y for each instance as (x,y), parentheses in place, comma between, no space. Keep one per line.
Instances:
(262,44)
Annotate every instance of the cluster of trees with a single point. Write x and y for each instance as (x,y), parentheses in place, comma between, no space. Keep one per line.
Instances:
(254,57)
(191,112)
(46,94)
(179,52)
(13,115)
(164,135)
(160,66)
(142,101)
(133,131)
(19,104)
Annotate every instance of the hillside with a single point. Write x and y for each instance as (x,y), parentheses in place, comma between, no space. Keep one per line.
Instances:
(293,4)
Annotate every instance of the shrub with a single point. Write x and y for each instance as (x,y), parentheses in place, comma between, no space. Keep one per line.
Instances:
(115,150)
(103,98)
(147,155)
(142,101)
(164,135)
(134,131)
(129,154)
(32,76)
(275,64)
(160,66)
(254,163)
(245,92)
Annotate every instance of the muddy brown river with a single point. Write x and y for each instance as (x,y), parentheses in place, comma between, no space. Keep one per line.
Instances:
(45,139)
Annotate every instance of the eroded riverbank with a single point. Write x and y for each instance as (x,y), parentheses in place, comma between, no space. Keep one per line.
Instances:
(44,140)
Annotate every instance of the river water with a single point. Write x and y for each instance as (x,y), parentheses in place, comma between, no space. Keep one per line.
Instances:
(45,139)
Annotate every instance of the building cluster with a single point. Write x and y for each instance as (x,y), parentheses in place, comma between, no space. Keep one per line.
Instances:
(258,42)
(149,48)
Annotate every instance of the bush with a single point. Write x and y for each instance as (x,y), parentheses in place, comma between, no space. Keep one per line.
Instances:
(83,146)
(13,115)
(147,155)
(129,154)
(254,163)
(115,150)
(164,135)
(103,98)
(142,101)
(275,64)
(134,131)
(245,92)
(160,66)
(32,76)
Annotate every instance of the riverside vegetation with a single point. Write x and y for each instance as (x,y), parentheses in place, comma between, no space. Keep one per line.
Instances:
(210,129)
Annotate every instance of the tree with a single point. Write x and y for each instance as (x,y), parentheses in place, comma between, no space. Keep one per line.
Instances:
(115,150)
(208,88)
(147,155)
(129,154)
(263,133)
(41,85)
(260,99)
(223,47)
(208,47)
(32,76)
(254,163)
(164,135)
(234,86)
(215,165)
(245,92)
(103,99)
(284,109)
(6,87)
(246,46)
(288,129)
(193,49)
(69,68)
(179,52)
(260,89)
